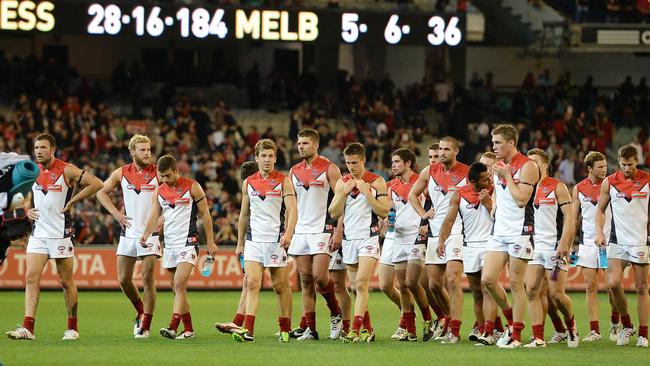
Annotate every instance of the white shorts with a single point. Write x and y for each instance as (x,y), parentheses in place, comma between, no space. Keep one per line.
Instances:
(453,250)
(519,246)
(473,259)
(54,248)
(388,251)
(404,244)
(546,258)
(130,247)
(269,254)
(633,253)
(588,256)
(310,244)
(355,248)
(336,262)
(172,257)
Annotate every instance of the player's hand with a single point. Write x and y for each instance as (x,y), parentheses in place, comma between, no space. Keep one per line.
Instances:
(485,197)
(424,230)
(349,186)
(212,249)
(388,224)
(501,169)
(430,214)
(562,252)
(67,208)
(335,242)
(599,240)
(440,250)
(239,250)
(285,241)
(363,187)
(125,221)
(143,241)
(33,214)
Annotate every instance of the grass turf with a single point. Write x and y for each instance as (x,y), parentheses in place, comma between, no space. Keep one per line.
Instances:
(105,325)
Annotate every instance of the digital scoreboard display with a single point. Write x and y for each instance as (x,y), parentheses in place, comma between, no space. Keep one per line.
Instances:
(231,23)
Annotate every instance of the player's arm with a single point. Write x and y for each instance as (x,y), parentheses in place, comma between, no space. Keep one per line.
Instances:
(337,236)
(152,221)
(244,217)
(576,211)
(338,202)
(417,189)
(448,224)
(105,200)
(198,196)
(289,197)
(380,203)
(603,201)
(333,174)
(428,208)
(91,184)
(564,201)
(522,191)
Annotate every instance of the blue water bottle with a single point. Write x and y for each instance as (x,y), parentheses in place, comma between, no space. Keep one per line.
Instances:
(241,262)
(602,257)
(573,258)
(208,263)
(391,220)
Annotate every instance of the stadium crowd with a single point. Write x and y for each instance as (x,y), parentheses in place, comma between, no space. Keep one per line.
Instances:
(557,115)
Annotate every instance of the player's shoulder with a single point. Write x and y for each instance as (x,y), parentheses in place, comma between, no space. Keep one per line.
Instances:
(371,177)
(461,168)
(393,182)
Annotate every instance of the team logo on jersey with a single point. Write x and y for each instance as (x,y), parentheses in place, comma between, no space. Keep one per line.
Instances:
(472,206)
(146,176)
(52,176)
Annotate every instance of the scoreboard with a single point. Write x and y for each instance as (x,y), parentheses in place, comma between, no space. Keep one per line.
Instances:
(214,23)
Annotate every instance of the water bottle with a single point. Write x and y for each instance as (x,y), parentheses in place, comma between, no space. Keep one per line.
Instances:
(555,273)
(602,257)
(573,258)
(206,271)
(391,220)
(241,261)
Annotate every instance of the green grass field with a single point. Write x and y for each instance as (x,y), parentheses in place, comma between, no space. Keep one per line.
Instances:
(105,328)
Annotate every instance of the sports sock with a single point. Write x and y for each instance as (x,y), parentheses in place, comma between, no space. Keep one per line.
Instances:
(517,327)
(187,322)
(72,323)
(426,314)
(356,323)
(538,331)
(489,327)
(329,294)
(146,321)
(454,327)
(438,311)
(346,325)
(402,321)
(570,323)
(139,306)
(557,323)
(508,314)
(366,322)
(626,321)
(285,324)
(28,323)
(310,321)
(643,331)
(303,322)
(615,318)
(175,321)
(249,323)
(593,325)
(498,325)
(239,319)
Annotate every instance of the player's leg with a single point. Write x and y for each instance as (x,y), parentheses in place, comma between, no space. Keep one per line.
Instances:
(240,314)
(414,273)
(149,285)
(125,266)
(454,272)
(254,274)
(590,276)
(559,298)
(494,263)
(340,278)
(474,280)
(517,270)
(407,320)
(489,313)
(365,268)
(643,301)
(280,279)
(180,308)
(35,263)
(387,283)
(533,282)
(436,274)
(326,287)
(614,279)
(305,268)
(65,267)
(615,316)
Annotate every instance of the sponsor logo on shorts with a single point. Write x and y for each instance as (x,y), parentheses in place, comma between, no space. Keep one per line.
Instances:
(61,249)
(516,248)
(456,251)
(320,245)
(415,251)
(369,248)
(274,258)
(641,254)
(183,254)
